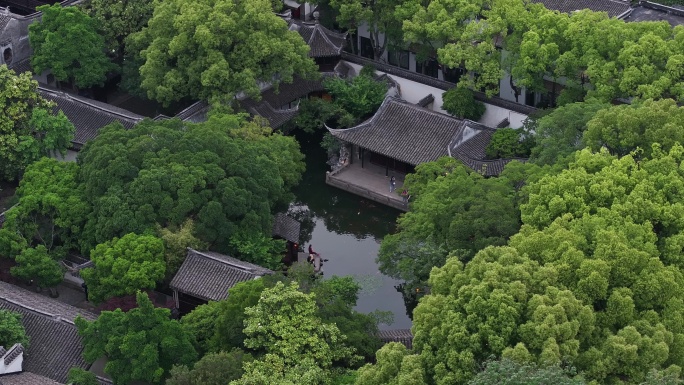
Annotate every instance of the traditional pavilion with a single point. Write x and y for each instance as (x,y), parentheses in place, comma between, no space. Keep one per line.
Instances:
(206,276)
(402,135)
(287,228)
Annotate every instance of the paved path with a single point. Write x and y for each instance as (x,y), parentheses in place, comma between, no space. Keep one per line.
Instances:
(371,183)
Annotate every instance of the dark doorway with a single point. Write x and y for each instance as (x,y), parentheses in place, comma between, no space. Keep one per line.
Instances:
(391,164)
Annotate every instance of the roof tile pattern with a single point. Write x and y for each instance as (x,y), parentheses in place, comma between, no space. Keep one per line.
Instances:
(403,336)
(322,41)
(26,378)
(88,115)
(404,132)
(208,275)
(286,227)
(614,8)
(55,345)
(4,20)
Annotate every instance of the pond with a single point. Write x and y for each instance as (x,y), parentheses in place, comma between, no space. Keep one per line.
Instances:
(347,230)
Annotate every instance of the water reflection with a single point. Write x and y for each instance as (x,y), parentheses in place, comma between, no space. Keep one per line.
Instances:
(347,230)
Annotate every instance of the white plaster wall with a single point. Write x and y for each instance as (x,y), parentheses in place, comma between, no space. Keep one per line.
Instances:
(413,92)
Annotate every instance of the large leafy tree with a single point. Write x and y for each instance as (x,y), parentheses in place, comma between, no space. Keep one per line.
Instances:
(12,330)
(28,131)
(66,42)
(50,212)
(298,347)
(455,211)
(509,372)
(623,128)
(216,49)
(140,345)
(116,20)
(35,264)
(220,173)
(124,266)
(378,16)
(395,365)
(593,279)
(212,369)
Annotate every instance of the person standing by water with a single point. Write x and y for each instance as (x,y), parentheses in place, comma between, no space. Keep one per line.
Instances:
(405,196)
(393,183)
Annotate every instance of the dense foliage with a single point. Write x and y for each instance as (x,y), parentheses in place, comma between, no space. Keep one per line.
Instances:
(65,41)
(140,345)
(50,211)
(12,330)
(224,173)
(28,129)
(216,49)
(212,369)
(509,143)
(460,102)
(124,266)
(34,264)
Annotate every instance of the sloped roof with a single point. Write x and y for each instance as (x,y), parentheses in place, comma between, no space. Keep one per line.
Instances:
(614,8)
(272,99)
(208,275)
(403,336)
(26,378)
(469,146)
(4,20)
(649,11)
(286,227)
(404,131)
(54,343)
(322,41)
(196,113)
(88,115)
(21,66)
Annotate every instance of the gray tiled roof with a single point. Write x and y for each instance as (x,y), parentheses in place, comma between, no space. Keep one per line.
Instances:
(469,146)
(195,113)
(54,344)
(286,227)
(22,66)
(404,132)
(88,115)
(614,8)
(322,41)
(649,11)
(208,275)
(403,336)
(26,378)
(4,20)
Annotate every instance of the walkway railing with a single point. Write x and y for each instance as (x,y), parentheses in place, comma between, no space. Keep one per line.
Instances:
(331,180)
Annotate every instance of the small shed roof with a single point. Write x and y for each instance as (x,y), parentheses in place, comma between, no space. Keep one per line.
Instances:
(614,8)
(404,131)
(208,275)
(55,346)
(403,336)
(88,115)
(322,41)
(286,227)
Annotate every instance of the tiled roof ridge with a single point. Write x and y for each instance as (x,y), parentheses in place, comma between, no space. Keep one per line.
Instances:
(462,154)
(191,109)
(385,103)
(47,313)
(77,99)
(251,270)
(661,7)
(13,353)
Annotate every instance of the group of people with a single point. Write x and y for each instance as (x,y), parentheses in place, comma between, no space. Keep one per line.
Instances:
(404,193)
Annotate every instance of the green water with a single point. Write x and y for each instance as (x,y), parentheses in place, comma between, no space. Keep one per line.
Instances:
(347,230)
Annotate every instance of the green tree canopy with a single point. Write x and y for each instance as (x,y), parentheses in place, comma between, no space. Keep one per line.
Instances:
(623,128)
(79,376)
(360,96)
(66,42)
(140,345)
(12,330)
(28,131)
(124,266)
(298,347)
(216,49)
(35,264)
(220,173)
(212,369)
(50,212)
(455,211)
(394,366)
(509,143)
(460,102)
(116,20)
(509,372)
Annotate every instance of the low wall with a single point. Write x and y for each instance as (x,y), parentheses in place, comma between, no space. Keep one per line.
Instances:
(364,192)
